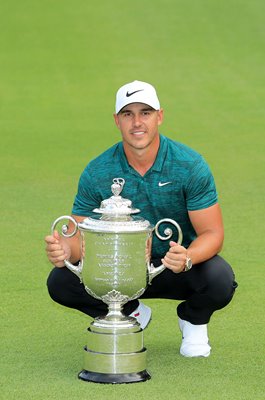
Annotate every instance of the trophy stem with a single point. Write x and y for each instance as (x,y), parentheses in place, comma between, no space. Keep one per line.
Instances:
(115,312)
(115,319)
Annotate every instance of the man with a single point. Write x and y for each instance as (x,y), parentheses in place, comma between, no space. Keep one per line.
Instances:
(163,179)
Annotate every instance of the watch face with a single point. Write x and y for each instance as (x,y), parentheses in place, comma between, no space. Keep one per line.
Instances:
(188,264)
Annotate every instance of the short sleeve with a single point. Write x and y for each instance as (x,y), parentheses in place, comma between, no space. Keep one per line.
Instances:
(86,198)
(200,188)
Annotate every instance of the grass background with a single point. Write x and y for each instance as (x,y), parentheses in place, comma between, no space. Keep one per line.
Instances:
(61,63)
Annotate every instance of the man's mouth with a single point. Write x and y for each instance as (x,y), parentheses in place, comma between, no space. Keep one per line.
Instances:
(138,133)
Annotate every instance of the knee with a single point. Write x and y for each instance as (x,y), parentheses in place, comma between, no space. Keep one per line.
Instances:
(58,283)
(221,281)
(52,283)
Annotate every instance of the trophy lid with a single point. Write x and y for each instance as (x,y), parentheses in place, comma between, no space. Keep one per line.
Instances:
(115,214)
(116,205)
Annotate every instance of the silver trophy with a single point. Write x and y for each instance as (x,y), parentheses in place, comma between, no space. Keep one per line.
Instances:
(115,268)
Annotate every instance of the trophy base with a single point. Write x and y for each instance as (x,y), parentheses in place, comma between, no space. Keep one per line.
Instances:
(97,377)
(114,355)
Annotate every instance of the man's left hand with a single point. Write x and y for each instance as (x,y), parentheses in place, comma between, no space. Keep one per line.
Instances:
(175,258)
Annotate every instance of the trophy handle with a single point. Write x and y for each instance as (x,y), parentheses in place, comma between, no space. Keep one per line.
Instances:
(152,271)
(76,269)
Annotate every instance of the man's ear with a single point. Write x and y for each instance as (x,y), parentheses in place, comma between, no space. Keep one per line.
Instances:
(116,119)
(160,116)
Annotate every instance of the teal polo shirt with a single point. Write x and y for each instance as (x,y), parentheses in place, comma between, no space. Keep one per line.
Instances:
(179,181)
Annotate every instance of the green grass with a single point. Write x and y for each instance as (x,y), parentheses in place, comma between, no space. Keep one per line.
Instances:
(60,65)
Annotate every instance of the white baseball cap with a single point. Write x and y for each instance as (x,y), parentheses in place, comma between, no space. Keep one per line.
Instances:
(137,92)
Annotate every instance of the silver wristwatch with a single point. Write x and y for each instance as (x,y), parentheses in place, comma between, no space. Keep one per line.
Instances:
(188,264)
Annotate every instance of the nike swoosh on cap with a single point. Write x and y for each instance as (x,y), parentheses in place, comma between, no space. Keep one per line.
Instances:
(163,183)
(136,91)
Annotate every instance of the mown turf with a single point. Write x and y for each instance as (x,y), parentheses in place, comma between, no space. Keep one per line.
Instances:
(60,65)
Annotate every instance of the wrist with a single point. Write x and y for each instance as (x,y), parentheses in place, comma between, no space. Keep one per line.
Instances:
(188,264)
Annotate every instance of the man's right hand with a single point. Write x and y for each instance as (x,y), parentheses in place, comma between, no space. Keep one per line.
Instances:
(57,249)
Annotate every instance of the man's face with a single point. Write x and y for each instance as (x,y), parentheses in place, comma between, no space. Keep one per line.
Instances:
(138,124)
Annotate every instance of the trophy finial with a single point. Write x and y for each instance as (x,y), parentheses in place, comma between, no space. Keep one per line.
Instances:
(116,207)
(117,186)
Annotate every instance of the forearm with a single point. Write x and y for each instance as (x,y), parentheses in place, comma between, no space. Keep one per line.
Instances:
(205,246)
(208,226)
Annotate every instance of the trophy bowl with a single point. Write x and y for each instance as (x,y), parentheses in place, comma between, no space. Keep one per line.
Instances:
(115,268)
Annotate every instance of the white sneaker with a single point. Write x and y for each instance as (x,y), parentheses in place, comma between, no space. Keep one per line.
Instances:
(195,342)
(143,315)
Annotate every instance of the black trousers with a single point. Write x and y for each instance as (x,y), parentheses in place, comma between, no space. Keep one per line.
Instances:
(207,287)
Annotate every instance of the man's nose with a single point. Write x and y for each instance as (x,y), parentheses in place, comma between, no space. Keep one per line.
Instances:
(137,120)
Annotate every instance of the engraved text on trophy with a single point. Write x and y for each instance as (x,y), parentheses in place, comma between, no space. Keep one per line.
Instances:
(116,261)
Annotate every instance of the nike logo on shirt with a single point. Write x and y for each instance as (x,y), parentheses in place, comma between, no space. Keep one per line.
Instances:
(163,183)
